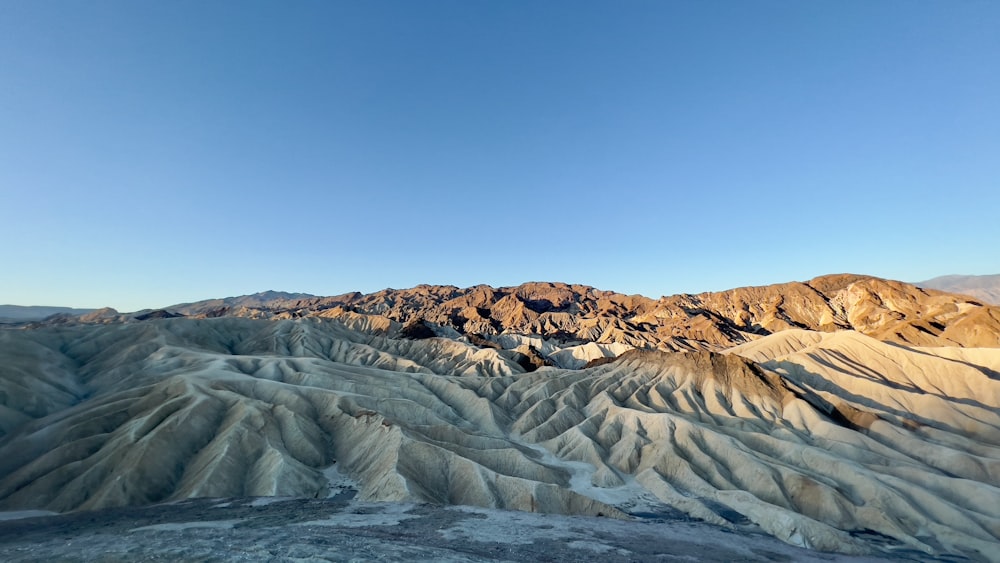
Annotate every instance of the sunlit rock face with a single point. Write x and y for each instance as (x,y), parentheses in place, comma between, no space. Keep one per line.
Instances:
(566,315)
(824,439)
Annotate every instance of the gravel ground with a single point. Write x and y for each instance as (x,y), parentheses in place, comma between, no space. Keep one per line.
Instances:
(342,529)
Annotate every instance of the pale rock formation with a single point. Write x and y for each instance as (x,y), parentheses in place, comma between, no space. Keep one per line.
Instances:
(822,439)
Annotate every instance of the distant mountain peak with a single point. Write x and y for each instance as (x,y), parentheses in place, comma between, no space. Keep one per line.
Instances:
(273,294)
(985,287)
(22,313)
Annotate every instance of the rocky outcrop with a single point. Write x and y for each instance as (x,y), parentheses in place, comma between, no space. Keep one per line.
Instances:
(157,314)
(417,329)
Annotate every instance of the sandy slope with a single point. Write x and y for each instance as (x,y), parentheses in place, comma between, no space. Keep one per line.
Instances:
(822,440)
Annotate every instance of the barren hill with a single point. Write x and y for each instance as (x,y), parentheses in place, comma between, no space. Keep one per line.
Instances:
(884,309)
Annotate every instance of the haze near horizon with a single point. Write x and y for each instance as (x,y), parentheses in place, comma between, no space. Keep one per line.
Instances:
(161,153)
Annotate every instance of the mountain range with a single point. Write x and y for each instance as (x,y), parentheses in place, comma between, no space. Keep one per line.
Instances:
(986,288)
(20,313)
(888,310)
(847,413)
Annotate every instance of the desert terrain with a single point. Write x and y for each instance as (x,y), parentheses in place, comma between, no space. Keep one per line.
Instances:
(847,414)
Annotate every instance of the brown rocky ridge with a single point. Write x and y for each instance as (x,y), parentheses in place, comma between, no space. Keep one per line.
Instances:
(887,310)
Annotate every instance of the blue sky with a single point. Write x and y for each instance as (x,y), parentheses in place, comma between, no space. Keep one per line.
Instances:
(159,152)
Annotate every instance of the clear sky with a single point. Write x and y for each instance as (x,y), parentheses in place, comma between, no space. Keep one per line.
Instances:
(158,152)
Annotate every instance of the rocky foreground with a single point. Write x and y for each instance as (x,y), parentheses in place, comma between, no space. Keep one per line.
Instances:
(282,529)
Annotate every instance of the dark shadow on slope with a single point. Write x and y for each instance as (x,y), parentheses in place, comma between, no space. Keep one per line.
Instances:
(816,381)
(530,361)
(417,329)
(157,314)
(882,381)
(995,375)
